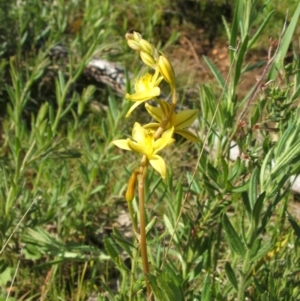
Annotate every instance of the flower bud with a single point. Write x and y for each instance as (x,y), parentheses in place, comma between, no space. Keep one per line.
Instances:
(146,46)
(166,70)
(134,45)
(135,36)
(131,186)
(147,59)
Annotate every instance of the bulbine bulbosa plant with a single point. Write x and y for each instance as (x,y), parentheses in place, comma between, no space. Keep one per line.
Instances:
(151,138)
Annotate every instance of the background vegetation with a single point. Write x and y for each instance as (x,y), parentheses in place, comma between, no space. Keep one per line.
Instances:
(218,229)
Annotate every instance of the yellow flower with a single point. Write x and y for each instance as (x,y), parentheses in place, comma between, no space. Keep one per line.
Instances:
(146,88)
(179,121)
(144,143)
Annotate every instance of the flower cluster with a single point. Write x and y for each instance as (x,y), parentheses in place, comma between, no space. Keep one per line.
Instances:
(149,139)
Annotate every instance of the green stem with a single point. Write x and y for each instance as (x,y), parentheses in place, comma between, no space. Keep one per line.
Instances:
(143,243)
(133,220)
(243,279)
(251,233)
(133,268)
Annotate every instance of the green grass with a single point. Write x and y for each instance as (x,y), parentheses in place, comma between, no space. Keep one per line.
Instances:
(220,230)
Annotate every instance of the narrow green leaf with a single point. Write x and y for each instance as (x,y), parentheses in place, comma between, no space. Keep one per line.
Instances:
(258,207)
(270,209)
(62,84)
(296,77)
(170,227)
(226,26)
(111,248)
(215,71)
(178,199)
(113,107)
(169,282)
(230,274)
(265,170)
(265,296)
(166,284)
(260,29)
(255,247)
(104,128)
(260,288)
(253,184)
(151,224)
(235,26)
(245,198)
(236,170)
(123,242)
(234,240)
(286,139)
(296,93)
(284,160)
(285,43)
(240,60)
(212,172)
(294,224)
(254,66)
(271,283)
(225,171)
(158,293)
(108,290)
(206,290)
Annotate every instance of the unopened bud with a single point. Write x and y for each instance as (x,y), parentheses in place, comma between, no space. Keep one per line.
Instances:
(131,186)
(166,70)
(147,59)
(137,36)
(133,36)
(134,45)
(146,46)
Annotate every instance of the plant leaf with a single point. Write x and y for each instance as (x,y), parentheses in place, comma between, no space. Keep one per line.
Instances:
(285,43)
(206,291)
(230,274)
(234,240)
(215,71)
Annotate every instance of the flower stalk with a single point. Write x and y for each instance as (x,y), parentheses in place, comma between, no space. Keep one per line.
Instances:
(147,140)
(143,241)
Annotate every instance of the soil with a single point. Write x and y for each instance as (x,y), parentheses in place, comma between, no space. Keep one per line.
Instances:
(202,34)
(187,58)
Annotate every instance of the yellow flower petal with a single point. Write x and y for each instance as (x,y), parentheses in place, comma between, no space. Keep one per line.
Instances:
(164,140)
(144,143)
(153,126)
(155,112)
(179,121)
(188,135)
(139,148)
(144,95)
(158,163)
(146,88)
(185,118)
(143,140)
(138,133)
(122,143)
